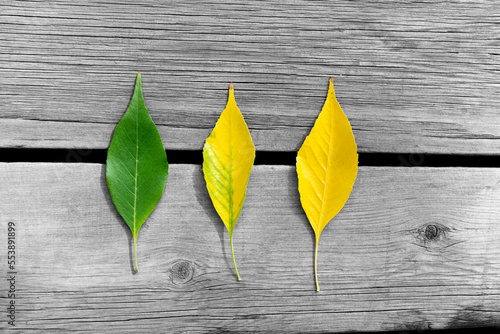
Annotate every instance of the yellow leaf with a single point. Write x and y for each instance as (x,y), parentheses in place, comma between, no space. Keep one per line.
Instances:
(228,157)
(327,164)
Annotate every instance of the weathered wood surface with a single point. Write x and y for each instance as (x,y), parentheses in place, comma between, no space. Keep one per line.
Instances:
(414,248)
(412,76)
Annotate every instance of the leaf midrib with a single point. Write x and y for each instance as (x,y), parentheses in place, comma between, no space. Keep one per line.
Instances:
(327,170)
(231,190)
(136,168)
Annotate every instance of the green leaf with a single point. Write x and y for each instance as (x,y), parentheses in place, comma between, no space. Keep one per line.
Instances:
(136,166)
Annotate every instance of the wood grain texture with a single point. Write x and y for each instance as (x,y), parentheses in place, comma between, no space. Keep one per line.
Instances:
(414,248)
(412,76)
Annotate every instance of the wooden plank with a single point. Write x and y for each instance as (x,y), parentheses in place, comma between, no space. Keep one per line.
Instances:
(414,248)
(411,76)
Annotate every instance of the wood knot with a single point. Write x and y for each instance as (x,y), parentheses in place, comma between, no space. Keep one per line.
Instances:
(431,232)
(182,272)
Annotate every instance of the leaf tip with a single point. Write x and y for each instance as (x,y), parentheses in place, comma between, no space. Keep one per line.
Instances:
(138,86)
(231,94)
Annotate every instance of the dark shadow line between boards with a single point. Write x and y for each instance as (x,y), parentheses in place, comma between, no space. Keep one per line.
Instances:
(262,158)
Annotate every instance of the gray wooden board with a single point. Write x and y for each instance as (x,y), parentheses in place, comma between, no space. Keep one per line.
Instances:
(412,76)
(414,248)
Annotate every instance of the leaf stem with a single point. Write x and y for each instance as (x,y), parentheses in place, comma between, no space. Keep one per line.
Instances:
(135,253)
(234,262)
(316,265)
